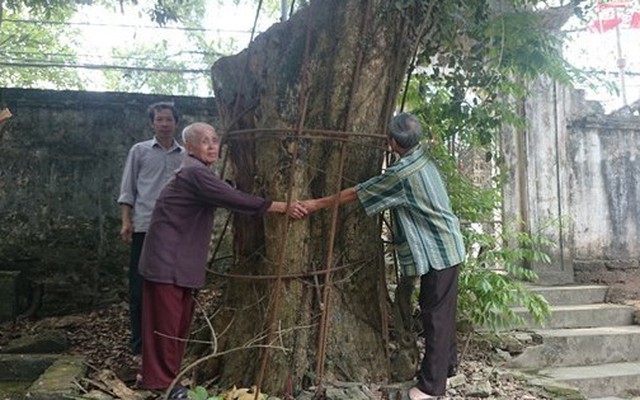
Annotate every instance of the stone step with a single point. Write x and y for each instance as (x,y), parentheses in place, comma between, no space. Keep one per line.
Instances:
(581,316)
(571,295)
(604,380)
(59,381)
(24,367)
(581,346)
(613,398)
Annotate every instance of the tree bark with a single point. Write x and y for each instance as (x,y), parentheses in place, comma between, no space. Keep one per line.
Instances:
(335,65)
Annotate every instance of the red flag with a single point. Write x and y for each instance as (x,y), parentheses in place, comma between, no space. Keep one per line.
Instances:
(613,4)
(635,20)
(603,25)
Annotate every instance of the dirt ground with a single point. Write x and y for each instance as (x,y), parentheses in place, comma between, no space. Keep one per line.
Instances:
(102,337)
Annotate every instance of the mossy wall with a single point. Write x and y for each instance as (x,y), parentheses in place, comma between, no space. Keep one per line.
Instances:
(61,160)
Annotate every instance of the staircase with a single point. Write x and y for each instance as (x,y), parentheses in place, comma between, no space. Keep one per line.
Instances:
(588,344)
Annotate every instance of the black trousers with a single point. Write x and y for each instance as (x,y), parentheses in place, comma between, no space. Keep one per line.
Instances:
(438,303)
(135,293)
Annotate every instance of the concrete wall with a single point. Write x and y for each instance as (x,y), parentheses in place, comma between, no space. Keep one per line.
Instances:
(604,155)
(573,177)
(536,192)
(61,159)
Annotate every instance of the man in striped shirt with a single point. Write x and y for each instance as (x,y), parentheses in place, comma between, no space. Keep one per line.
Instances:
(428,242)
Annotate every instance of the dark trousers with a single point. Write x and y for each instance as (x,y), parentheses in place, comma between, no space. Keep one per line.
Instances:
(135,293)
(166,317)
(438,302)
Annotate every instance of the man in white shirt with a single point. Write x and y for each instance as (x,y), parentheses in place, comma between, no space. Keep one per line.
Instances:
(150,164)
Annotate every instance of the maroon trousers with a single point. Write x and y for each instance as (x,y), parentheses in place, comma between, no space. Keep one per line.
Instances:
(166,317)
(438,303)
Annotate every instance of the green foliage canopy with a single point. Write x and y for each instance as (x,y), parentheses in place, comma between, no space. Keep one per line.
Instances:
(51,55)
(23,44)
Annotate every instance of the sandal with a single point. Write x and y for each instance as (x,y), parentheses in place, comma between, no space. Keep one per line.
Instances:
(399,395)
(404,395)
(178,393)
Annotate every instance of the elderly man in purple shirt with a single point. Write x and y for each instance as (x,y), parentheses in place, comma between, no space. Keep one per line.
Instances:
(175,252)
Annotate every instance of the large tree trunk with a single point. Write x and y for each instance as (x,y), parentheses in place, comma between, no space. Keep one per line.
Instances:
(335,65)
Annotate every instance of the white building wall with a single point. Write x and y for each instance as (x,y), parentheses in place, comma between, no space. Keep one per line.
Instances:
(574,176)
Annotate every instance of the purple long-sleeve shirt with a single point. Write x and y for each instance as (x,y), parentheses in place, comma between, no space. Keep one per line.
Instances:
(176,246)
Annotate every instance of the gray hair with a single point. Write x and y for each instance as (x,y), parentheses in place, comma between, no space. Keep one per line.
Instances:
(406,130)
(192,132)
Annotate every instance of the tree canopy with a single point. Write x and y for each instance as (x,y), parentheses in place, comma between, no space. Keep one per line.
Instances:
(170,53)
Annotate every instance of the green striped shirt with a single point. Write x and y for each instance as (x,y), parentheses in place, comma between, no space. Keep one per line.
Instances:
(426,232)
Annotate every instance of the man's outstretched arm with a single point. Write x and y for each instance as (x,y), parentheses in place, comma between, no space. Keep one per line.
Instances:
(346,196)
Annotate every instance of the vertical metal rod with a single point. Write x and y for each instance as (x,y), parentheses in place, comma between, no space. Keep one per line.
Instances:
(275,309)
(621,62)
(559,194)
(283,10)
(324,319)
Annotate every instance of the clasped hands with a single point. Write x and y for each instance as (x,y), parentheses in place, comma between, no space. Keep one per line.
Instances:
(300,209)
